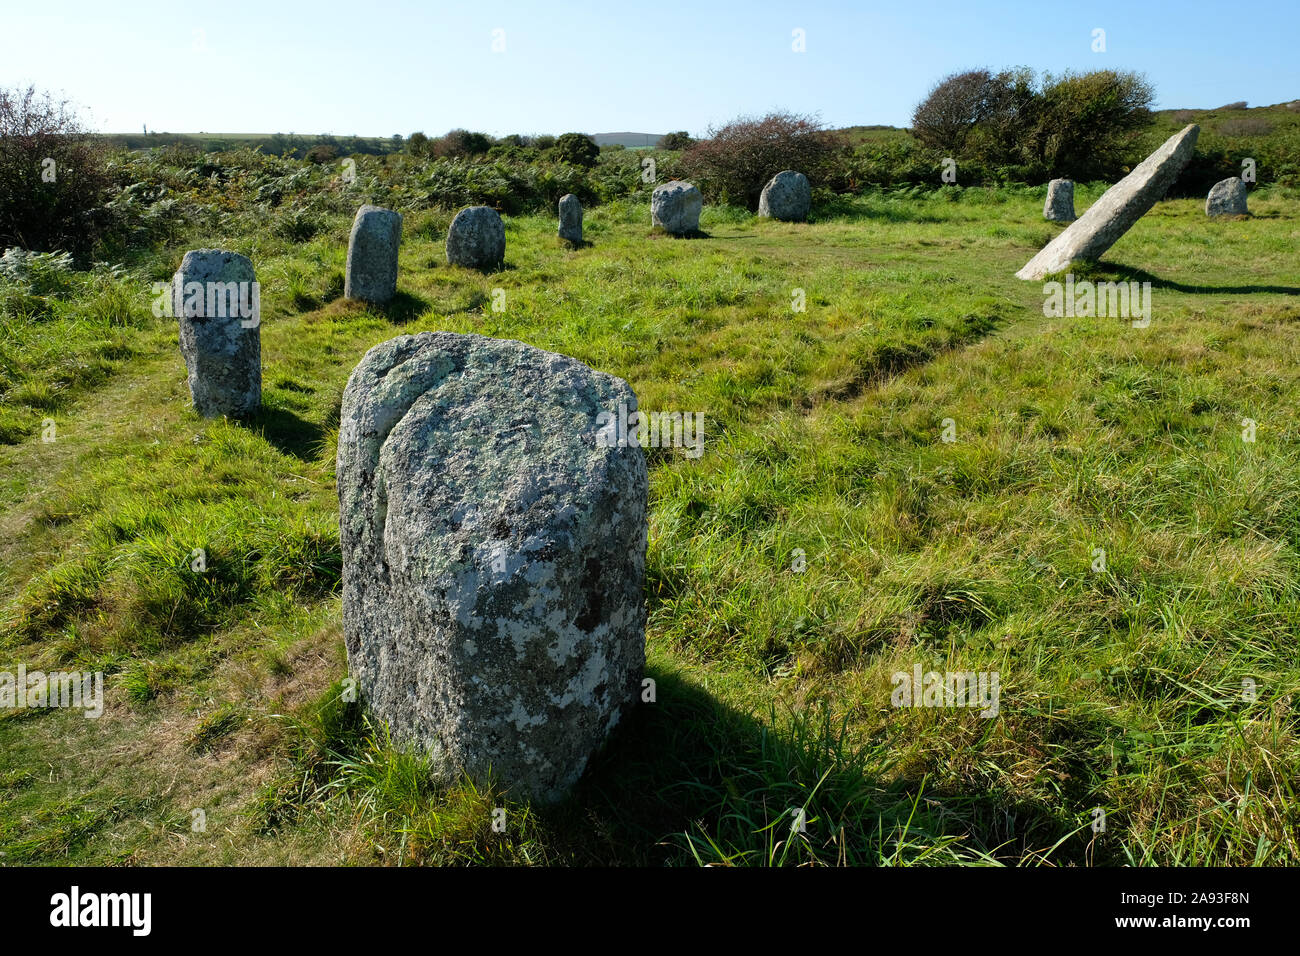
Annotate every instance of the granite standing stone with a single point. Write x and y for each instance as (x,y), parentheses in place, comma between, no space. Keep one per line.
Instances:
(217,304)
(1060,201)
(787,196)
(372,255)
(477,239)
(493,554)
(675,207)
(571,219)
(1119,207)
(1227,198)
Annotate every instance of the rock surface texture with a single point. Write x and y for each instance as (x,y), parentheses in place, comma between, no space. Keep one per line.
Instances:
(372,255)
(1119,207)
(216,303)
(787,196)
(675,207)
(493,555)
(1227,198)
(477,239)
(571,219)
(1060,201)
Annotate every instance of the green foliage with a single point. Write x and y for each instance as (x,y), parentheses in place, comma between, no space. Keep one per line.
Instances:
(678,140)
(736,161)
(1076,125)
(578,149)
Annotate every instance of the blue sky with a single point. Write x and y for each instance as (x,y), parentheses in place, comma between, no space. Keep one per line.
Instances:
(378,67)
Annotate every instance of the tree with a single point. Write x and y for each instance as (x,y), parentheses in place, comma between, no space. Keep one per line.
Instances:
(736,161)
(1075,124)
(53,177)
(577,149)
(678,140)
(951,110)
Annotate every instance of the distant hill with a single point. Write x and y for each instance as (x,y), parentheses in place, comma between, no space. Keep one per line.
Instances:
(626,139)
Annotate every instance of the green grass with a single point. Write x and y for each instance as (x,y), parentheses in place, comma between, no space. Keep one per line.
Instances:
(1120,690)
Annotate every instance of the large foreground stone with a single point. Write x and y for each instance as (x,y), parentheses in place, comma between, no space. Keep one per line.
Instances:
(217,304)
(1119,207)
(787,196)
(1060,201)
(571,219)
(372,255)
(477,238)
(675,207)
(1227,198)
(493,554)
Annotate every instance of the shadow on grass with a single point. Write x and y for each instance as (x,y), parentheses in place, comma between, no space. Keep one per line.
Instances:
(690,780)
(403,307)
(287,431)
(657,233)
(1119,272)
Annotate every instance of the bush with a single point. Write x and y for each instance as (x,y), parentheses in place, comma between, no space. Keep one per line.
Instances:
(737,160)
(578,149)
(53,181)
(321,154)
(460,143)
(678,140)
(417,144)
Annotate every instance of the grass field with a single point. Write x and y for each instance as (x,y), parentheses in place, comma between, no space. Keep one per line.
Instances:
(1121,689)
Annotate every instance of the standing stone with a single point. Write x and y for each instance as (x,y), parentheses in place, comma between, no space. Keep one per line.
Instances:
(217,304)
(571,219)
(1227,198)
(493,554)
(477,239)
(1119,207)
(1060,201)
(675,207)
(372,255)
(787,196)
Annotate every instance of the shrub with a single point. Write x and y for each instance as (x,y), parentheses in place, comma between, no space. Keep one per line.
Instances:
(53,182)
(738,159)
(417,144)
(578,149)
(321,154)
(461,143)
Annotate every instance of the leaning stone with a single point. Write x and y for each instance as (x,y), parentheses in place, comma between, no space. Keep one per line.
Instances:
(372,255)
(787,196)
(1060,201)
(1119,207)
(675,207)
(477,239)
(571,219)
(1227,198)
(493,554)
(217,304)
